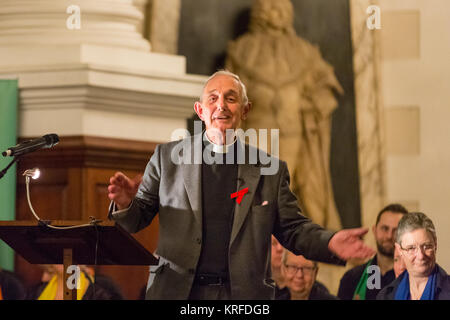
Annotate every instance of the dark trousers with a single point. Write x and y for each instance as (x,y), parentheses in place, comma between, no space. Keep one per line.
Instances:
(210,292)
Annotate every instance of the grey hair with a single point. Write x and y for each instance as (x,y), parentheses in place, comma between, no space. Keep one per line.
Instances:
(235,77)
(413,221)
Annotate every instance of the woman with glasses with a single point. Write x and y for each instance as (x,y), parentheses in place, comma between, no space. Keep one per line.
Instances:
(423,278)
(300,279)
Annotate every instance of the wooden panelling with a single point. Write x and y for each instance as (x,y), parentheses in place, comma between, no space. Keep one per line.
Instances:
(93,152)
(73,186)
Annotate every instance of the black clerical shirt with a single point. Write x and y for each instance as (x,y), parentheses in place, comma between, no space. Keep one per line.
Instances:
(219,181)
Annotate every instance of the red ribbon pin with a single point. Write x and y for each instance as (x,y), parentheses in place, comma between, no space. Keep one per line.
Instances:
(239,195)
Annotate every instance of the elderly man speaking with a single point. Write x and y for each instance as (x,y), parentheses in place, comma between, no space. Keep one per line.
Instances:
(216,219)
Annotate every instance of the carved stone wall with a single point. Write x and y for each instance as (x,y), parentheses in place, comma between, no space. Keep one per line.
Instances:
(369,113)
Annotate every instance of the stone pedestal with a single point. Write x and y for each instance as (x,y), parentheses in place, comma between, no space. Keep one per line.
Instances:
(100,91)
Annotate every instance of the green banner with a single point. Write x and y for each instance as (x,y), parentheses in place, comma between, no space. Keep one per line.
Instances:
(8,138)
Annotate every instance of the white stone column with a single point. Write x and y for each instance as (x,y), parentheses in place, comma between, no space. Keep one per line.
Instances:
(103,22)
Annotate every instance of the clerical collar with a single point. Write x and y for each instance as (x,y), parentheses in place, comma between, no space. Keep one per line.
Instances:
(219,148)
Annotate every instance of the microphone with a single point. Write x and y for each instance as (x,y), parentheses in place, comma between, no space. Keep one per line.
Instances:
(47,141)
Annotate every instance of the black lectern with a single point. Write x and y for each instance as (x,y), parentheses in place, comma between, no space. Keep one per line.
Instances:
(101,243)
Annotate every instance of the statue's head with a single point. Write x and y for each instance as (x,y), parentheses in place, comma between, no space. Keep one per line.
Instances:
(272,15)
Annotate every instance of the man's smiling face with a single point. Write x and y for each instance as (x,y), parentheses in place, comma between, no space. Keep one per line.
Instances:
(221,106)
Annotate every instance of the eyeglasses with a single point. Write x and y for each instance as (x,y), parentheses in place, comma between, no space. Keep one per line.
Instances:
(427,248)
(292,270)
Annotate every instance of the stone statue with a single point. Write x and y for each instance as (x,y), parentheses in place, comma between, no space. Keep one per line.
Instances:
(292,89)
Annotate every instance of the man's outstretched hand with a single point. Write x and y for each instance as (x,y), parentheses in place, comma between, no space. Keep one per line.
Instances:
(348,244)
(122,189)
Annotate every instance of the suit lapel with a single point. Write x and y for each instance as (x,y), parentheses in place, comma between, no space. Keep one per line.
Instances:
(192,174)
(248,177)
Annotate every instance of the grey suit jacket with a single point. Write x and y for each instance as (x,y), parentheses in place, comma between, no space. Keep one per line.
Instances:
(174,191)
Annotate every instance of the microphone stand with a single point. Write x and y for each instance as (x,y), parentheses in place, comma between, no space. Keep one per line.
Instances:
(3,172)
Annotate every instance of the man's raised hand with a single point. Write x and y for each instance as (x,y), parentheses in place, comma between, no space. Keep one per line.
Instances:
(122,189)
(348,244)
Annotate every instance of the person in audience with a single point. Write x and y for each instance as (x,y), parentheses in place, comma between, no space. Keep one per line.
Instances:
(423,279)
(299,276)
(353,284)
(11,288)
(52,286)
